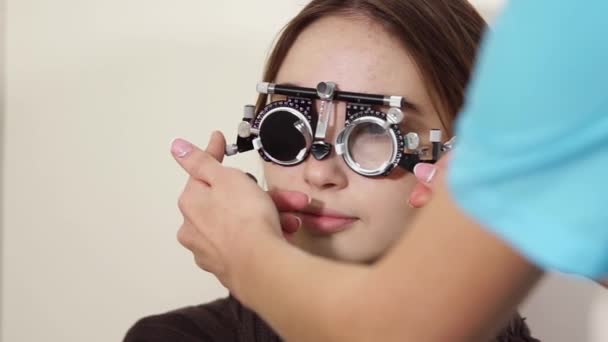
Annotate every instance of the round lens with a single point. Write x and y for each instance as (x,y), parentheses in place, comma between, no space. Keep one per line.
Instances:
(370,146)
(280,138)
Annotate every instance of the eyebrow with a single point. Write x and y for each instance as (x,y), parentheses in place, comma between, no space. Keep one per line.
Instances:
(408,105)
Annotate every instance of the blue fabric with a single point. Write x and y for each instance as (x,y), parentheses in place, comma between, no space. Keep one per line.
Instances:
(531,161)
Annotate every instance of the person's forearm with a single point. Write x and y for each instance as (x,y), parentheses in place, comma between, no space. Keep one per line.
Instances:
(300,295)
(447,279)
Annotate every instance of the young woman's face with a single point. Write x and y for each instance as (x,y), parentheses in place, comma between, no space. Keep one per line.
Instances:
(355,218)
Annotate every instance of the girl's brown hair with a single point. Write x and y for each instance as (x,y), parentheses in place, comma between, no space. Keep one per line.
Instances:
(442,36)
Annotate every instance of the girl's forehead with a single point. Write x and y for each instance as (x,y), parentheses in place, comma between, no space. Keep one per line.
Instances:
(352,72)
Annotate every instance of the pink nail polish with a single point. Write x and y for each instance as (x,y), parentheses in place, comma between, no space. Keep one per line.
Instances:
(180,148)
(425,172)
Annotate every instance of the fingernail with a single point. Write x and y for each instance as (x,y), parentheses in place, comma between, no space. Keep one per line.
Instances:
(180,148)
(425,172)
(299,220)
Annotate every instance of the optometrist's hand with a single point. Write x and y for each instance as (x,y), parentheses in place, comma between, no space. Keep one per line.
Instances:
(288,202)
(224,212)
(426,174)
(423,191)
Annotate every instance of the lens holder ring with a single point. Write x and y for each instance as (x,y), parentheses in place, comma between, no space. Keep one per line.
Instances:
(300,107)
(357,114)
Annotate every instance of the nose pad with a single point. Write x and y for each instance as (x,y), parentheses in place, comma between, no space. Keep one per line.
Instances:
(321,150)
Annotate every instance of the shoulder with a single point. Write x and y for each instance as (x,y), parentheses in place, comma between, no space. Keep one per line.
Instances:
(214,321)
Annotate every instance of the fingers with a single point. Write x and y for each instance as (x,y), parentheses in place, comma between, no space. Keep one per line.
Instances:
(420,196)
(185,236)
(193,196)
(426,173)
(189,237)
(289,200)
(290,223)
(198,164)
(423,190)
(286,201)
(217,146)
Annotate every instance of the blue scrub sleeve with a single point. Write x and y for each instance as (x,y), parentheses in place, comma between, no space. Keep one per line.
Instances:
(531,161)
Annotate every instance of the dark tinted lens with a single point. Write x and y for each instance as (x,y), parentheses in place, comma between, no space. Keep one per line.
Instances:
(280,138)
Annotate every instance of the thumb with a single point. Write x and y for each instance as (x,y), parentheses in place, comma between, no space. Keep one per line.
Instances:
(425,173)
(199,164)
(420,196)
(216,146)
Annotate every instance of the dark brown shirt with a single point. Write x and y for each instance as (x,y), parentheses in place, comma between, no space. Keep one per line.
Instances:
(227,320)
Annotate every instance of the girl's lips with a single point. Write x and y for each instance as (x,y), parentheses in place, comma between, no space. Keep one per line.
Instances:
(325,221)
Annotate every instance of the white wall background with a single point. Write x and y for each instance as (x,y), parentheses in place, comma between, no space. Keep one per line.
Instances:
(95,91)
(2,115)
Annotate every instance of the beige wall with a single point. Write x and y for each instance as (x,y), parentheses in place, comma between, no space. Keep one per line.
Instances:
(489,8)
(2,114)
(95,92)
